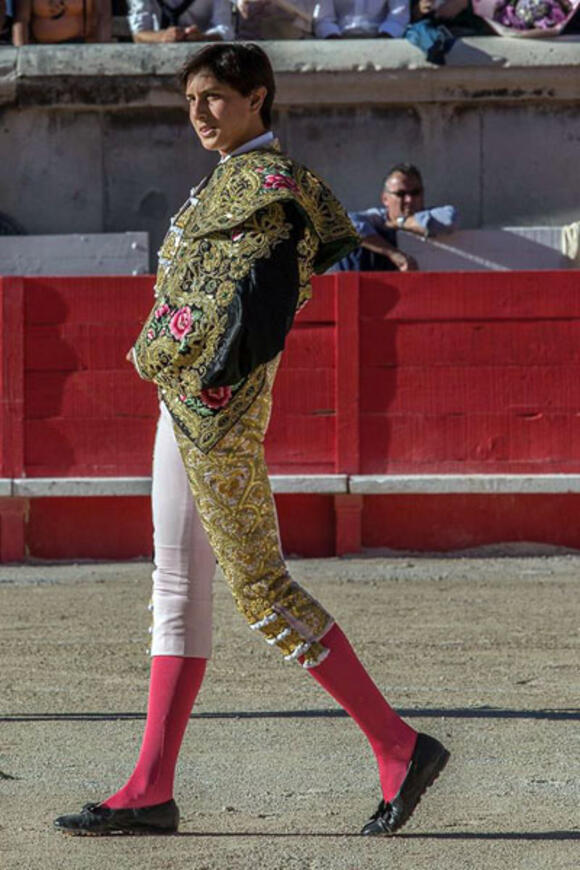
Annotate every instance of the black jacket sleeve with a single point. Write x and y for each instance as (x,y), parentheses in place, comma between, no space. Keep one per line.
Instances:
(262,310)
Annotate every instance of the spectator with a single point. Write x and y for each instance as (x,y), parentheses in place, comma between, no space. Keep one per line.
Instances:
(427,31)
(57,21)
(457,15)
(402,208)
(334,19)
(274,19)
(180,20)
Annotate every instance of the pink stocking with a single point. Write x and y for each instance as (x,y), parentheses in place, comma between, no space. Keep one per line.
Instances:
(391,739)
(175,682)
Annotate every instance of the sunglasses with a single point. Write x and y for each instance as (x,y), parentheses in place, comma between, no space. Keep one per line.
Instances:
(417,191)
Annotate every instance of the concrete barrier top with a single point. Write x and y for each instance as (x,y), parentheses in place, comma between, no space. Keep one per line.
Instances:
(486,68)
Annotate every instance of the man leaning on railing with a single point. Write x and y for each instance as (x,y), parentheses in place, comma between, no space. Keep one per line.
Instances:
(402,208)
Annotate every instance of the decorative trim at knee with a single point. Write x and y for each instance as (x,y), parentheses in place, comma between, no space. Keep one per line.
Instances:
(267,620)
(283,634)
(292,637)
(299,651)
(313,663)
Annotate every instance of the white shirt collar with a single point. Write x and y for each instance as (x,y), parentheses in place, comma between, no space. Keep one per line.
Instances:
(261,141)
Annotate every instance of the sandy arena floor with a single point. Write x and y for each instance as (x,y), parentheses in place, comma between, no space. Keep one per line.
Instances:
(481,652)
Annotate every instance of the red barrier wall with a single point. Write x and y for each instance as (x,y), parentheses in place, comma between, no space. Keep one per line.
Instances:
(420,373)
(475,373)
(84,412)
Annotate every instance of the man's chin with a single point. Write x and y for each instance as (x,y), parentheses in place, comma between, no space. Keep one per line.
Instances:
(210,143)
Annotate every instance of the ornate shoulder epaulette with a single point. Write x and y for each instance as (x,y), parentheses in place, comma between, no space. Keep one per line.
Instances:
(243,185)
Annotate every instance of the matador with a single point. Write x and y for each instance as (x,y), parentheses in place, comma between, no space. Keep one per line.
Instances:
(234,268)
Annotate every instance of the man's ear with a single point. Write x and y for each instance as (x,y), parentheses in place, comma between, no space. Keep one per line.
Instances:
(257,98)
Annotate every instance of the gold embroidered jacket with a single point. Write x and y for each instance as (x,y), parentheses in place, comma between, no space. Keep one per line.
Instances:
(234,268)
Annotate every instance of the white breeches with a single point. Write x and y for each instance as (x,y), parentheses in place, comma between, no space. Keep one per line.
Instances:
(184,561)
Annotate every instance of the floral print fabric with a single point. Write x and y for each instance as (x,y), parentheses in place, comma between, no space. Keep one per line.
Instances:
(238,219)
(234,501)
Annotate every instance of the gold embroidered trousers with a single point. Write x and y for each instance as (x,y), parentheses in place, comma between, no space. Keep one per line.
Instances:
(234,501)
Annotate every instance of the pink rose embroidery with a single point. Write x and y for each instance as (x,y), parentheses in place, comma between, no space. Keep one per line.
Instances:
(150,334)
(278,182)
(216,397)
(163,309)
(180,323)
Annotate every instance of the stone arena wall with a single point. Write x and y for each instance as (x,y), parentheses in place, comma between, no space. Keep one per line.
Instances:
(95,138)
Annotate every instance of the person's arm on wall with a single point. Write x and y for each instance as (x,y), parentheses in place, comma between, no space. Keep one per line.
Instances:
(443,219)
(378,245)
(21,23)
(221,24)
(428,222)
(396,20)
(415,223)
(171,34)
(144,24)
(325,20)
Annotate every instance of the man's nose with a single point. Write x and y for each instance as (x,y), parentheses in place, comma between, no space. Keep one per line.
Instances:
(197,110)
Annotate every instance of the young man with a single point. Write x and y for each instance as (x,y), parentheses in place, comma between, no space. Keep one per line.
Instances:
(234,268)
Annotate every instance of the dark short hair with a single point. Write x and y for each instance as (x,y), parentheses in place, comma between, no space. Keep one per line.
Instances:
(242,66)
(408,169)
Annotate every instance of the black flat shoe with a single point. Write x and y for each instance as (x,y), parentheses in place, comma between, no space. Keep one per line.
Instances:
(95,820)
(428,760)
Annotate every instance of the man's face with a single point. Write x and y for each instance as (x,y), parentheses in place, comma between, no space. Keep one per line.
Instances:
(223,118)
(402,195)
